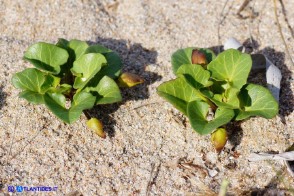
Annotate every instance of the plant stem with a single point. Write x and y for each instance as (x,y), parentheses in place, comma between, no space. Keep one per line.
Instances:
(87,114)
(223,188)
(210,103)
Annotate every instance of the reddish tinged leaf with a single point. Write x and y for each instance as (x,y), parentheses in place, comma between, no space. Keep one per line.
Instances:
(198,57)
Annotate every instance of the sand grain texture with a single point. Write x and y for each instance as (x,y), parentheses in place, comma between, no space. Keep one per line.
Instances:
(149,143)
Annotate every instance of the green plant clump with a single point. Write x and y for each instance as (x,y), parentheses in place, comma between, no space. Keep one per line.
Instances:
(212,90)
(70,77)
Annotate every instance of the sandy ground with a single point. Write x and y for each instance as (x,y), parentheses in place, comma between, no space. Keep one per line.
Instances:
(151,148)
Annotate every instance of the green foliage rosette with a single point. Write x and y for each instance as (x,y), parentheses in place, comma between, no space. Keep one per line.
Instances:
(213,93)
(69,77)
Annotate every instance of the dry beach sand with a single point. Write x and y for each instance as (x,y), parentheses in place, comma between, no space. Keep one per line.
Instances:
(150,147)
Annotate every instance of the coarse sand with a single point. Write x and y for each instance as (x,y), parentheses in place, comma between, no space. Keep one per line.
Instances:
(150,147)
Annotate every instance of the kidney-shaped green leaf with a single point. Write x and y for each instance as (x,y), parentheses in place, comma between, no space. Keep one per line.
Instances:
(184,56)
(32,97)
(47,57)
(257,101)
(79,47)
(81,101)
(228,99)
(97,49)
(231,66)
(114,65)
(195,75)
(34,84)
(114,62)
(86,67)
(179,93)
(32,79)
(56,103)
(63,89)
(75,48)
(197,113)
(106,91)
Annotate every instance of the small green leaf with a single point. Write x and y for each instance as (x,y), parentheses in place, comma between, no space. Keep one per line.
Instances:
(62,43)
(81,101)
(114,62)
(56,103)
(63,89)
(228,98)
(75,49)
(257,101)
(106,91)
(179,93)
(59,99)
(184,56)
(197,113)
(55,80)
(207,93)
(31,79)
(219,87)
(47,57)
(86,67)
(79,47)
(113,67)
(195,75)
(231,66)
(32,97)
(97,49)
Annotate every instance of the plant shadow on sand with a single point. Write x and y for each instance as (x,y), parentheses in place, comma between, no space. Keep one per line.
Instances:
(272,188)
(135,59)
(286,102)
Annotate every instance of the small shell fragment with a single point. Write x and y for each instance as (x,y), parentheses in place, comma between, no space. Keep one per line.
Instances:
(232,43)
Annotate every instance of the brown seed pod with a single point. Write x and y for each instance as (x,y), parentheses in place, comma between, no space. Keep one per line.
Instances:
(219,139)
(97,126)
(198,57)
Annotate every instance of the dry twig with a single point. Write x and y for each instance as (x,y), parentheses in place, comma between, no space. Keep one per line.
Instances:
(281,33)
